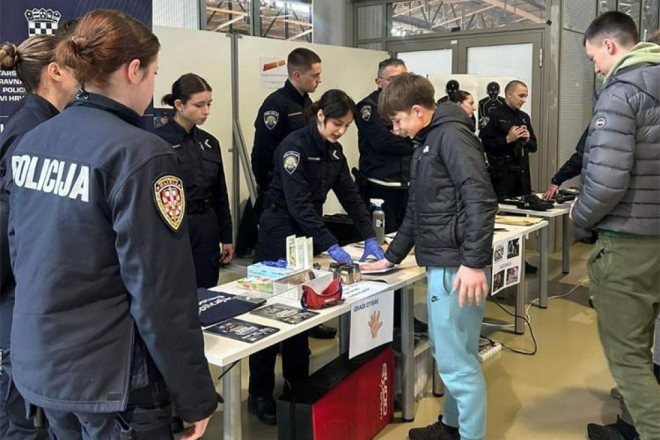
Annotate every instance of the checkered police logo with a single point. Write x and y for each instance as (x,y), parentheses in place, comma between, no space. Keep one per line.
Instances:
(170,200)
(42,21)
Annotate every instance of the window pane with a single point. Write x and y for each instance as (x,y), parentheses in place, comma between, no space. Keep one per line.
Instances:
(438,16)
(228,16)
(287,20)
(650,18)
(632,8)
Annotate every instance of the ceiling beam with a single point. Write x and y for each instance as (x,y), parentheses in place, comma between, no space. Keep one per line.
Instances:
(519,12)
(469,14)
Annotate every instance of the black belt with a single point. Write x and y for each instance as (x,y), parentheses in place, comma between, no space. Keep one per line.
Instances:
(198,206)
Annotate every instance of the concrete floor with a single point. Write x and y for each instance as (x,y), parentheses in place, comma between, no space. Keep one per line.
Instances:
(549,396)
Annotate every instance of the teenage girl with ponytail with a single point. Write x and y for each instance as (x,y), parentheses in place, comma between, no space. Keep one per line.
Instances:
(50,87)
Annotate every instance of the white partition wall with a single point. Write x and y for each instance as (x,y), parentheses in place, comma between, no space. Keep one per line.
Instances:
(207,54)
(349,69)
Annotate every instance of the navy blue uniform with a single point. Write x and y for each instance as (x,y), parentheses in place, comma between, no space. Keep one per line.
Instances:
(307,168)
(209,217)
(509,162)
(106,312)
(14,425)
(281,113)
(384,162)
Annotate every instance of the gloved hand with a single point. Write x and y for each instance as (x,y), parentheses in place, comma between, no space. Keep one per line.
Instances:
(339,255)
(372,248)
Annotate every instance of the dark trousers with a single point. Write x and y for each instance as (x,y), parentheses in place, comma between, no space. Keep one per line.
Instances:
(248,229)
(275,227)
(147,417)
(205,243)
(14,422)
(396,201)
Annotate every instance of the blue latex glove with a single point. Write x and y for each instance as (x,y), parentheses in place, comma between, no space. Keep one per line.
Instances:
(373,249)
(279,263)
(339,255)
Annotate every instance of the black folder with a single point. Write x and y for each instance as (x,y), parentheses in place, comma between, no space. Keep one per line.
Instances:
(215,307)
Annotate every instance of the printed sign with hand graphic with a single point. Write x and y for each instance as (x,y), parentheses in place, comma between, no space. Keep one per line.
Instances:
(372,323)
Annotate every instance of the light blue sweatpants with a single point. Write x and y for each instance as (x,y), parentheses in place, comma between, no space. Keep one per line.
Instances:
(454,334)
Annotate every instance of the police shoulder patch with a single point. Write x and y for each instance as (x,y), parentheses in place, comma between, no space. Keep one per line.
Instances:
(270,119)
(366,112)
(290,160)
(170,200)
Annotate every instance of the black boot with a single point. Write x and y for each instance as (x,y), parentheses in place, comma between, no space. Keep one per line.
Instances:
(323,332)
(436,431)
(263,408)
(421,328)
(615,431)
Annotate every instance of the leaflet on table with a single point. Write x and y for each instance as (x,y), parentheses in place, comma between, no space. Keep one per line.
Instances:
(299,252)
(362,290)
(242,330)
(506,263)
(215,307)
(284,313)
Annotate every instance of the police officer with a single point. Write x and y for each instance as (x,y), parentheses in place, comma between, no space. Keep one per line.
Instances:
(209,218)
(508,138)
(466,101)
(308,164)
(490,103)
(281,113)
(106,324)
(384,156)
(50,88)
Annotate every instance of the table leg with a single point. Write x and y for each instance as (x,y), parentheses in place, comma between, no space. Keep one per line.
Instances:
(544,256)
(566,244)
(520,293)
(344,332)
(231,416)
(407,355)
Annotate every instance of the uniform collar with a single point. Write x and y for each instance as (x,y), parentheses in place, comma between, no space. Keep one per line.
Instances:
(87,99)
(41,105)
(294,93)
(179,132)
(321,146)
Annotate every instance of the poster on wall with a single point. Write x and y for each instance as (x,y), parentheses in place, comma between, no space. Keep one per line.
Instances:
(445,85)
(22,19)
(506,263)
(491,93)
(273,72)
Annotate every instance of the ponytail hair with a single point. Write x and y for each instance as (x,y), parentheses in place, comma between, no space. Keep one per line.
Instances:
(335,104)
(29,59)
(103,41)
(185,87)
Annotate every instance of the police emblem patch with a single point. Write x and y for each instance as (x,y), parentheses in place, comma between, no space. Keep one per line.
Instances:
(366,112)
(291,161)
(270,119)
(484,121)
(170,200)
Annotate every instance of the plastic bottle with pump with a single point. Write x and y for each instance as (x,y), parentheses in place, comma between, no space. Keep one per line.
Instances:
(378,219)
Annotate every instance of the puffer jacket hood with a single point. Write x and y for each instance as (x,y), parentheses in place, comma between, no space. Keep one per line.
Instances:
(641,53)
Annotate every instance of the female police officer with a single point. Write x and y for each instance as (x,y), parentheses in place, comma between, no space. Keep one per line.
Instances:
(50,88)
(308,164)
(106,321)
(209,218)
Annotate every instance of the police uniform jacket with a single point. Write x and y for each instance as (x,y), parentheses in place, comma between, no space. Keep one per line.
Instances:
(494,134)
(384,156)
(33,112)
(202,171)
(307,169)
(100,251)
(280,114)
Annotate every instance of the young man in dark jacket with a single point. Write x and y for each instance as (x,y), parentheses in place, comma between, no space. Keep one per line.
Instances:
(449,220)
(620,198)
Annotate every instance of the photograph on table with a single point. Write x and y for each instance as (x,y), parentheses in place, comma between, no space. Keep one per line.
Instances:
(512,275)
(513,248)
(283,313)
(498,281)
(498,253)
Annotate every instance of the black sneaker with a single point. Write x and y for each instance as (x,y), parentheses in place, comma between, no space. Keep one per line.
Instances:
(530,268)
(436,431)
(615,431)
(421,328)
(264,409)
(323,332)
